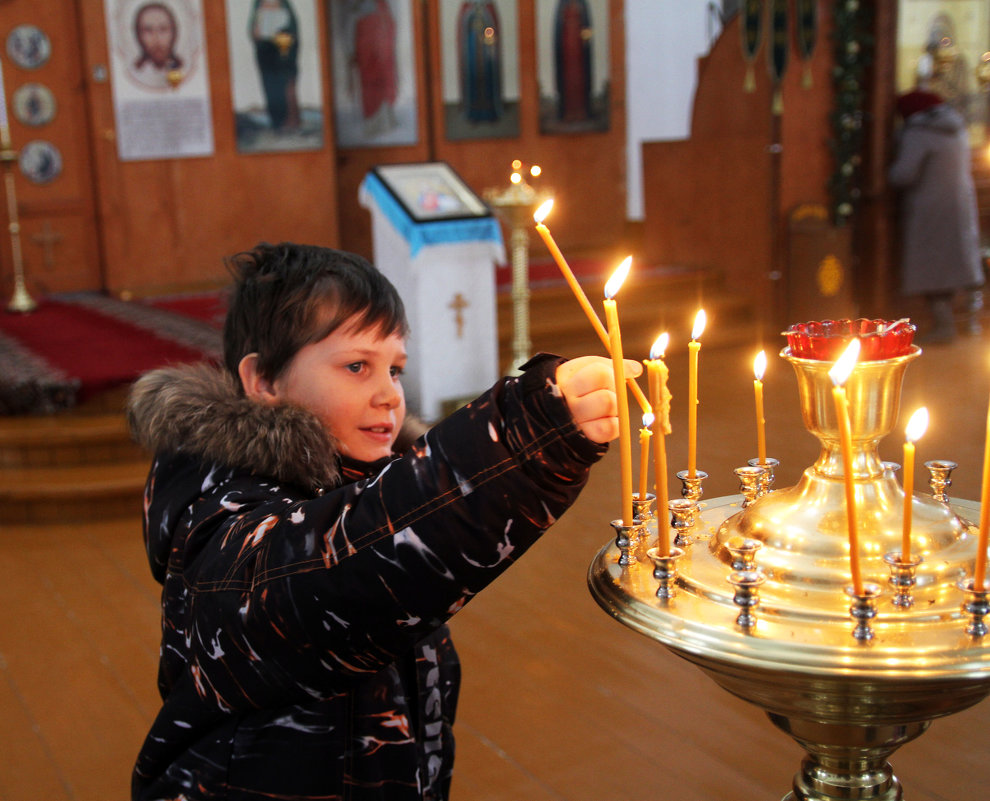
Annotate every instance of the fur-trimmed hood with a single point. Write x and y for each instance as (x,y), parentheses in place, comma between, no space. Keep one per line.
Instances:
(197,409)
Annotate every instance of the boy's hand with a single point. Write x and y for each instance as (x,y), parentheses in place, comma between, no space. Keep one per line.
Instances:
(588,386)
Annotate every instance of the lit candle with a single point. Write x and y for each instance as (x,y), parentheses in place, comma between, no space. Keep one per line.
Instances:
(582,299)
(644,453)
(615,340)
(693,347)
(660,401)
(914,430)
(980,572)
(839,373)
(759,368)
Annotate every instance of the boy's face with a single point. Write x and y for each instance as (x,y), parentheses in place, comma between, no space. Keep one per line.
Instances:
(351,381)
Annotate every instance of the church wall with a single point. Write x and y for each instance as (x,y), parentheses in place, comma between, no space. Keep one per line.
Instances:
(164,224)
(57,239)
(167,223)
(585,171)
(707,199)
(721,199)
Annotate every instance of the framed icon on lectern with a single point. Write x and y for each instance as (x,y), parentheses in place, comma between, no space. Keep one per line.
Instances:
(430,191)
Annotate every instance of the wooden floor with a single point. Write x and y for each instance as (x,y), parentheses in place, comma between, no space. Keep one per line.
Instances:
(559,702)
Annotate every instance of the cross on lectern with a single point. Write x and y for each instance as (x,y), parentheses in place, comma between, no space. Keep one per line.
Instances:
(48,238)
(458,304)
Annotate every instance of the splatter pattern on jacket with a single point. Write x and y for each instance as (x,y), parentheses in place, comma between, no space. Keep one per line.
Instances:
(304,649)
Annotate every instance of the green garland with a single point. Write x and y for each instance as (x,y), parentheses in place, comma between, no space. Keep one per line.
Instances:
(853,50)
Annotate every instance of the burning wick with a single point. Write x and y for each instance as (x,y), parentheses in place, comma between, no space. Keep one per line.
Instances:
(915,429)
(839,373)
(615,339)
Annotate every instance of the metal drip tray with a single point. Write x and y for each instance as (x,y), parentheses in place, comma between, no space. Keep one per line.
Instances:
(802,625)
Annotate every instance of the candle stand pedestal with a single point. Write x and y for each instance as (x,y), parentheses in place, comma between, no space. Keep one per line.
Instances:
(691,486)
(848,700)
(940,481)
(902,577)
(515,205)
(21,301)
(768,477)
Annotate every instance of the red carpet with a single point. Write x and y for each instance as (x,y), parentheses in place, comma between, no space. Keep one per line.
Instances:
(70,349)
(209,307)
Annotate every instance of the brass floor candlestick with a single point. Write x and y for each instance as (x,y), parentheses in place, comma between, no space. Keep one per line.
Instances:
(515,205)
(20,301)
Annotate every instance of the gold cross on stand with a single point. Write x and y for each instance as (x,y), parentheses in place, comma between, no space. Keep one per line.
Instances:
(458,304)
(48,238)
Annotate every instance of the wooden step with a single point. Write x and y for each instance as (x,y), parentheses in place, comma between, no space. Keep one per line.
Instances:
(69,467)
(48,495)
(65,439)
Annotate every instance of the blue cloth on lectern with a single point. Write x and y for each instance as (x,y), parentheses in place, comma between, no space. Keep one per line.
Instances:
(432,232)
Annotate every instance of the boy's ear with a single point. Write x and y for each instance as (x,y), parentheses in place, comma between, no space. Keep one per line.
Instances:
(256,387)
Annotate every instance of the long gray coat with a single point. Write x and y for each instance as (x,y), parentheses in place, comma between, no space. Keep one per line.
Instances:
(940,235)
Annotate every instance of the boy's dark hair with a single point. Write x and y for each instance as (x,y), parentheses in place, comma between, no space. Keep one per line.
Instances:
(287,296)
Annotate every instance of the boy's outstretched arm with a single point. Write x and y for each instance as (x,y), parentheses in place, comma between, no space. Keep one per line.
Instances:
(588,385)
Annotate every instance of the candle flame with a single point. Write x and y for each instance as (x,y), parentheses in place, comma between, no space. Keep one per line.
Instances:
(541,213)
(760,365)
(699,324)
(536,170)
(917,425)
(844,364)
(648,419)
(515,178)
(659,346)
(516,164)
(614,283)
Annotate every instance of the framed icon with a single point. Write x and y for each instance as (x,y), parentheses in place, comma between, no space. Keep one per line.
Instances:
(373,60)
(40,161)
(34,104)
(29,47)
(431,191)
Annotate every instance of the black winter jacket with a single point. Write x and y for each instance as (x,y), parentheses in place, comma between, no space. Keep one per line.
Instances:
(304,649)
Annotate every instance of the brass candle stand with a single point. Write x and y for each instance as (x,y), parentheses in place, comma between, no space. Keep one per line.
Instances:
(759,598)
(516,204)
(20,301)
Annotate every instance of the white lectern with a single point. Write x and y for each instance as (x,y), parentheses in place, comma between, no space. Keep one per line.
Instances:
(438,243)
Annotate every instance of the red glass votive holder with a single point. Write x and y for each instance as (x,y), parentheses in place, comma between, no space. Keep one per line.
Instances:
(825,340)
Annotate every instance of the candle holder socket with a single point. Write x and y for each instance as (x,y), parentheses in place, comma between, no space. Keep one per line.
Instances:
(643,508)
(976,606)
(665,571)
(770,464)
(743,550)
(941,478)
(863,609)
(751,478)
(903,577)
(684,514)
(890,467)
(691,486)
(747,595)
(628,540)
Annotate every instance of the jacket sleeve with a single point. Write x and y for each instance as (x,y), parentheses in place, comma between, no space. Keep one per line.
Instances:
(906,168)
(310,592)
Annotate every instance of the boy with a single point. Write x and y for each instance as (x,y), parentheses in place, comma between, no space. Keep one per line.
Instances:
(307,571)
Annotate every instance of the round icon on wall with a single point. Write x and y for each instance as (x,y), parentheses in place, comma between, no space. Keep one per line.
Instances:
(34,104)
(40,161)
(28,47)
